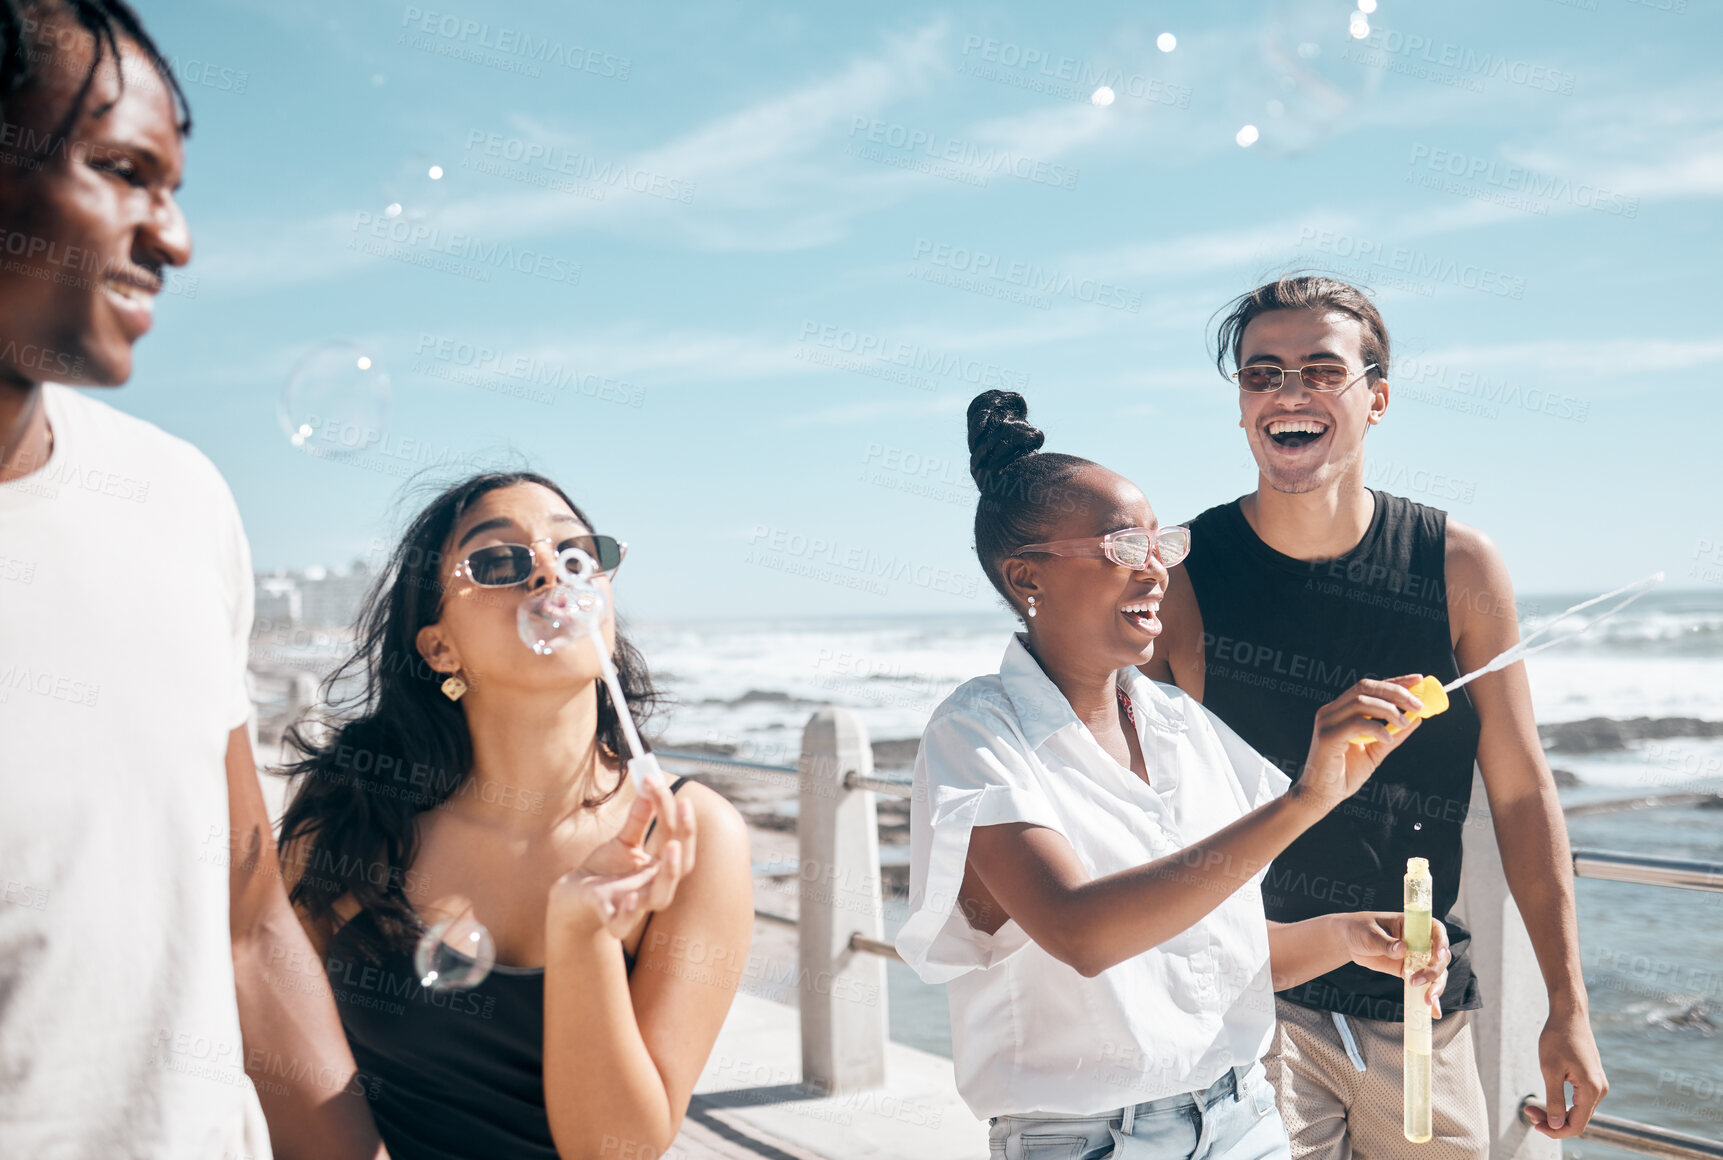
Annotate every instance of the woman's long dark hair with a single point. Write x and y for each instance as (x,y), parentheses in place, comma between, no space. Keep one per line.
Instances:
(396,746)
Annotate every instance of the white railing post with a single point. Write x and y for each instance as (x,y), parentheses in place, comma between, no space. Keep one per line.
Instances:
(842,991)
(1506,1030)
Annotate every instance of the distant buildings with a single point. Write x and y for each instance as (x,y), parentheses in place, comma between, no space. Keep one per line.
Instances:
(311,597)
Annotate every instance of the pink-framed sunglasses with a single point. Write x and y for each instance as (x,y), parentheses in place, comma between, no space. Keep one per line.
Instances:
(1128,547)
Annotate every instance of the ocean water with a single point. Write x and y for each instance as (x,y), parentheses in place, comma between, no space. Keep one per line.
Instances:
(1653,957)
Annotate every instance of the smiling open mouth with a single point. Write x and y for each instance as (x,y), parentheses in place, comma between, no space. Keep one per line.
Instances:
(1296,432)
(1142,615)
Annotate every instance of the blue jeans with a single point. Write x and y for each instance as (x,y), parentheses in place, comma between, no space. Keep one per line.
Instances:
(1233,1119)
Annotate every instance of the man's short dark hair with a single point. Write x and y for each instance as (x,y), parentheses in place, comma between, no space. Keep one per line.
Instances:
(1303,292)
(107,21)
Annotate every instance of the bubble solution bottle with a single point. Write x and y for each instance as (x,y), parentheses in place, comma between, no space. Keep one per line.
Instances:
(1416,932)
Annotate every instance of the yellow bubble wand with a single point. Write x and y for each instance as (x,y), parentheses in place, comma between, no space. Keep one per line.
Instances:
(1434,693)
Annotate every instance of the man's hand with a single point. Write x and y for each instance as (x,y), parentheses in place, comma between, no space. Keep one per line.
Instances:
(1567,1053)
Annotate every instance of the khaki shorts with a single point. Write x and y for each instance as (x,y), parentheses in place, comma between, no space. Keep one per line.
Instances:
(1333,1111)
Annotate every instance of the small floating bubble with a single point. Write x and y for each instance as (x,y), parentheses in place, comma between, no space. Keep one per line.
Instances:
(1166,42)
(1247,136)
(455,954)
(1102,97)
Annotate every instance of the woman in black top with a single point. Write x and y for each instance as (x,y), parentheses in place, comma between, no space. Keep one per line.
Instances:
(473,778)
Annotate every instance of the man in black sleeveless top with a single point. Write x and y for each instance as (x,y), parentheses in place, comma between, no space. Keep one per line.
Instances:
(1291,594)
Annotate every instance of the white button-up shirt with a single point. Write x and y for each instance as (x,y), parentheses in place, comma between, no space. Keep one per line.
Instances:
(1030,1034)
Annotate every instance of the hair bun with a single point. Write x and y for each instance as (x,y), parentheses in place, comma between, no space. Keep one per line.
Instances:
(1000,432)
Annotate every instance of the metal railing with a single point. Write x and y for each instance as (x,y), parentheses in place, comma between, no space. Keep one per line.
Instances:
(841,950)
(690,763)
(1637,1137)
(1644,870)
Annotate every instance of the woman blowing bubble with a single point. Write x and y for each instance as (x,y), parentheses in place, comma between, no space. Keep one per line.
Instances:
(1087,845)
(480,783)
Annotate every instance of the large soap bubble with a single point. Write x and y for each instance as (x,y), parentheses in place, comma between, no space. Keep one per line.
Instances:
(336,401)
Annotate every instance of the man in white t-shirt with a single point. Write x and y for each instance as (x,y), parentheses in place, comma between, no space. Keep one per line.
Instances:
(143,924)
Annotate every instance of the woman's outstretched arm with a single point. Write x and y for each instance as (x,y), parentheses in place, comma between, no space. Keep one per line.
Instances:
(622,1053)
(1036,878)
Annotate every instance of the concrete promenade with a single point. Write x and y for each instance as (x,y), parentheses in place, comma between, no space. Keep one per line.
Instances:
(750,1101)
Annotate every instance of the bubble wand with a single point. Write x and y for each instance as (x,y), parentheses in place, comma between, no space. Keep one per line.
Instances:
(1434,694)
(571,610)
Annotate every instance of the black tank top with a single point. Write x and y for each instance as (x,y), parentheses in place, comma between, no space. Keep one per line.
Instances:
(1281,638)
(450,1075)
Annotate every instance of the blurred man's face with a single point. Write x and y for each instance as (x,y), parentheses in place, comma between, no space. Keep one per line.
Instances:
(86,232)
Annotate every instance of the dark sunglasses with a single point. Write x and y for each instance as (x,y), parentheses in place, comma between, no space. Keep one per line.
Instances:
(500,565)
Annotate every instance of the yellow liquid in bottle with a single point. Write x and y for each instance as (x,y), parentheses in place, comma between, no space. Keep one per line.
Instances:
(1417,1059)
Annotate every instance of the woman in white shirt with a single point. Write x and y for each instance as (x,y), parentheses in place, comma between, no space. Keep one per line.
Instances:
(1087,846)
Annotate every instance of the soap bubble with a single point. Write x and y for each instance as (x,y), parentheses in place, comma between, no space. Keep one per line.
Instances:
(455,954)
(1297,55)
(1358,26)
(1247,136)
(1366,6)
(558,616)
(416,187)
(336,401)
(1102,97)
(1166,42)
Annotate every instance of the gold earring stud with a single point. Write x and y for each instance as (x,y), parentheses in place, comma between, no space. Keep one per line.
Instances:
(454,687)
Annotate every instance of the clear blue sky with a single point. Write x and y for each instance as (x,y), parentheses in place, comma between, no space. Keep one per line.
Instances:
(693,211)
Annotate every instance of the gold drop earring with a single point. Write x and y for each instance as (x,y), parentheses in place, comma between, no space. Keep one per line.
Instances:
(454,687)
